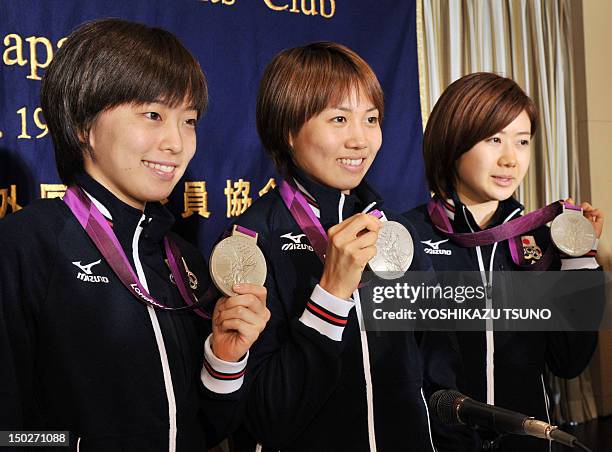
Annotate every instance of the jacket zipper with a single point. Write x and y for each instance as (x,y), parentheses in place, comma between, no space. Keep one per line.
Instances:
(490,338)
(159,338)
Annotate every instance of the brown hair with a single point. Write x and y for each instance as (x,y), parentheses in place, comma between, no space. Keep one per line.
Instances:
(470,110)
(300,83)
(106,63)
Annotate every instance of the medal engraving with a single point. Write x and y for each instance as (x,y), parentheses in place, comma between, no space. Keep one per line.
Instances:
(395,251)
(572,233)
(236,260)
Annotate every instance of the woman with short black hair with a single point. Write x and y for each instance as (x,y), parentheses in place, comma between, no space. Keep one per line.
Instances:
(98,336)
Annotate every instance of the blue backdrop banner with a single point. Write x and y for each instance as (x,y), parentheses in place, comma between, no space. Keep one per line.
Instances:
(233,40)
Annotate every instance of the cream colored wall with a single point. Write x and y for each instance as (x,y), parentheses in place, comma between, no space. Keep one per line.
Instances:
(596,124)
(597,16)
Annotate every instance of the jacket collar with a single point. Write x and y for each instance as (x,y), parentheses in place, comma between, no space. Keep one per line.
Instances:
(125,218)
(463,218)
(327,201)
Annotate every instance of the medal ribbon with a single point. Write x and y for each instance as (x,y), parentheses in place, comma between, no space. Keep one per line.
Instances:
(246,231)
(105,240)
(306,219)
(507,231)
(242,230)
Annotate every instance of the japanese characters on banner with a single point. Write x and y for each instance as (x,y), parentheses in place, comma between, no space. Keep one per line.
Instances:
(233,40)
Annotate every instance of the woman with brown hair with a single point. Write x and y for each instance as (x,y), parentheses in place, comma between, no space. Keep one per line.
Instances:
(320,381)
(477,148)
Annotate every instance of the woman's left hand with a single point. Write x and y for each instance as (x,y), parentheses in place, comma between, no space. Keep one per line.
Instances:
(595,216)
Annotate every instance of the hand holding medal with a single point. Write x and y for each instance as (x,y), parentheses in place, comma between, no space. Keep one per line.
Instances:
(571,232)
(351,245)
(593,215)
(238,320)
(346,248)
(394,249)
(236,260)
(238,269)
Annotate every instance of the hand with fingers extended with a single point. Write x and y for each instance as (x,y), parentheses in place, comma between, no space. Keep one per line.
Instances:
(238,320)
(351,245)
(595,216)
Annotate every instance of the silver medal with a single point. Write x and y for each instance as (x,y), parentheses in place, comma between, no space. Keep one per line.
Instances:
(572,233)
(235,260)
(394,251)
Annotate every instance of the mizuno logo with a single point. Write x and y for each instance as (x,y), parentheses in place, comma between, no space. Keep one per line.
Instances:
(434,247)
(87,268)
(294,238)
(296,242)
(86,274)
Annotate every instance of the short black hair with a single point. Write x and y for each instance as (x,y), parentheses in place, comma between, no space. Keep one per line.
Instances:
(106,63)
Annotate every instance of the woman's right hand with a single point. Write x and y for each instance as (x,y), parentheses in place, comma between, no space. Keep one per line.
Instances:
(351,245)
(237,321)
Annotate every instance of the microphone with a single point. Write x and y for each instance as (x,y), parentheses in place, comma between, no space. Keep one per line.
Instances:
(452,407)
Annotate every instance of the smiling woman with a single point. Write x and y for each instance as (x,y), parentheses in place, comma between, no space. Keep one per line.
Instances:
(121,100)
(319,113)
(92,76)
(140,151)
(337,146)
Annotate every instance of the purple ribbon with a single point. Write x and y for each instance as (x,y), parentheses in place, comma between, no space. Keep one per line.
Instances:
(246,231)
(305,218)
(241,229)
(105,240)
(510,231)
(376,213)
